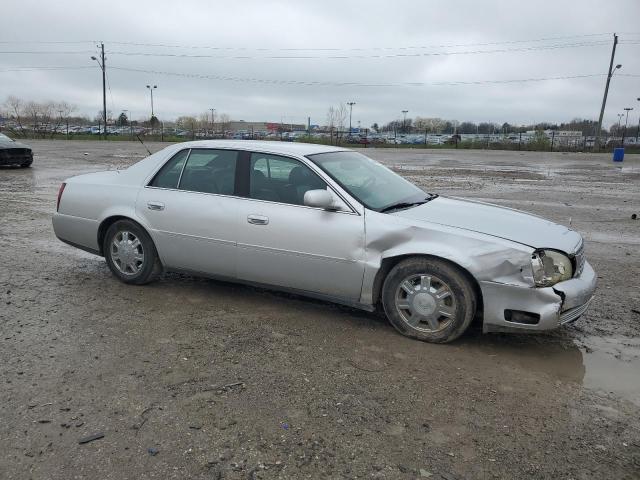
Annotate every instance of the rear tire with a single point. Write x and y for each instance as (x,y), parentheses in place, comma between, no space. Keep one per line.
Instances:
(130,253)
(428,299)
(26,165)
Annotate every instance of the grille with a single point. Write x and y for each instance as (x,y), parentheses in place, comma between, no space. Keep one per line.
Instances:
(573,314)
(579,260)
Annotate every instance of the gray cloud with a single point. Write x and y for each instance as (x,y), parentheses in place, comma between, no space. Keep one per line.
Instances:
(370,28)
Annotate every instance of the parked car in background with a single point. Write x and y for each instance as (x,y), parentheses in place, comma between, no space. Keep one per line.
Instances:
(14,153)
(331,223)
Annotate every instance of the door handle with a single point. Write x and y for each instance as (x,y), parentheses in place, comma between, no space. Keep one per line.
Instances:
(155,205)
(258,219)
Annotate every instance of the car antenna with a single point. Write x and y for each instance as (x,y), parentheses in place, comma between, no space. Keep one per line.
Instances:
(145,147)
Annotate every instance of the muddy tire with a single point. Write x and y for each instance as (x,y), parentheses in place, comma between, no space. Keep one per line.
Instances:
(428,299)
(130,253)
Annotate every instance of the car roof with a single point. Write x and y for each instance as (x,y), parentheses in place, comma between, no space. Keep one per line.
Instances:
(290,148)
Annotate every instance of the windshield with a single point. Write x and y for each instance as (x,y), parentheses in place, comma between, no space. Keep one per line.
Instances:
(372,184)
(4,138)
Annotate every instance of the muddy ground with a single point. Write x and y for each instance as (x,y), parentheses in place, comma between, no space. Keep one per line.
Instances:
(227,381)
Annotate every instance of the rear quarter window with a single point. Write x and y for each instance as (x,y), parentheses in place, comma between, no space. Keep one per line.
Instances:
(169,174)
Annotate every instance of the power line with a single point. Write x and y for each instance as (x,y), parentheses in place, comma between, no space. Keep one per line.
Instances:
(302,57)
(333,49)
(42,52)
(349,84)
(351,57)
(322,83)
(40,42)
(166,45)
(27,69)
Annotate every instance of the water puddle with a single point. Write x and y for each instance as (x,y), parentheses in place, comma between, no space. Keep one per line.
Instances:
(612,364)
(607,364)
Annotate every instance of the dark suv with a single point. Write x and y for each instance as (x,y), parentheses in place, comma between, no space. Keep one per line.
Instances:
(14,153)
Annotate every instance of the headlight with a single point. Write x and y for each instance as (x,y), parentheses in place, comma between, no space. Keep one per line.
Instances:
(550,267)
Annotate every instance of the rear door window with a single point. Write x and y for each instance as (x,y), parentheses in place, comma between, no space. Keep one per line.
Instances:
(210,171)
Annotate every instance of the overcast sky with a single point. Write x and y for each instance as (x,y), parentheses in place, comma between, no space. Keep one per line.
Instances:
(388,44)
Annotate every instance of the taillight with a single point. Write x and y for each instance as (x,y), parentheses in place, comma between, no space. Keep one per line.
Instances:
(60,195)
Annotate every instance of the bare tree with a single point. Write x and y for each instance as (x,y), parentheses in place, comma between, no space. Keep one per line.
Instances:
(331,118)
(15,106)
(435,125)
(186,122)
(225,119)
(63,109)
(342,113)
(203,121)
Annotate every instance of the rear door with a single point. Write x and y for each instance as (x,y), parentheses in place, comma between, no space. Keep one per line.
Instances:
(282,242)
(191,208)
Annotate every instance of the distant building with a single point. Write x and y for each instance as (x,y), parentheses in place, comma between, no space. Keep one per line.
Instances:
(268,127)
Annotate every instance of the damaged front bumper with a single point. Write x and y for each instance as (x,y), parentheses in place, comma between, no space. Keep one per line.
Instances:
(512,307)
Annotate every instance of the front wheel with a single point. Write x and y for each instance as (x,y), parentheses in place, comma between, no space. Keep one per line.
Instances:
(428,299)
(130,253)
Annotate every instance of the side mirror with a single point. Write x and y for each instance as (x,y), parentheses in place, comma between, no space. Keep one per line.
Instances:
(318,199)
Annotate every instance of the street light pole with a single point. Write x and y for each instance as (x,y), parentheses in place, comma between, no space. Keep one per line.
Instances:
(151,90)
(351,104)
(638,130)
(60,121)
(213,121)
(126,114)
(404,121)
(626,122)
(152,115)
(104,87)
(620,115)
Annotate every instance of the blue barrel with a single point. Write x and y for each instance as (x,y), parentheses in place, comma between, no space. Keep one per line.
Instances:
(618,154)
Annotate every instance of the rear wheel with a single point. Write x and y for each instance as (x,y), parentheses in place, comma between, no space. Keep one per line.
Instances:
(130,253)
(428,299)
(26,164)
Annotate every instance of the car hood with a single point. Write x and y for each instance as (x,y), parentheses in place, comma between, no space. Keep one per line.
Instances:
(4,145)
(496,221)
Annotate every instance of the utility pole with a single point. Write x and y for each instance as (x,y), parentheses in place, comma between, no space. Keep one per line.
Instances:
(404,121)
(626,122)
(104,90)
(351,104)
(104,87)
(596,143)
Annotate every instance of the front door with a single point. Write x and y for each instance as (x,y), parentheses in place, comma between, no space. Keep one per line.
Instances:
(192,211)
(282,242)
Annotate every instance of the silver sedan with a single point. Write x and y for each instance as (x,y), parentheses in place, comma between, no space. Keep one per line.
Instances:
(331,223)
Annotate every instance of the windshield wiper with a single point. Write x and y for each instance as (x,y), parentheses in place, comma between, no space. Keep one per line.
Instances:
(400,205)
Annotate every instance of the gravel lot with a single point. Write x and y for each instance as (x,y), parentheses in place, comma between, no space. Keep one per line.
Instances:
(193,378)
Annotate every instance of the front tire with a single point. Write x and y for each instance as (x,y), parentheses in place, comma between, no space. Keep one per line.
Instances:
(130,253)
(428,299)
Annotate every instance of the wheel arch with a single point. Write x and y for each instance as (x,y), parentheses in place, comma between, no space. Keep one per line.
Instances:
(110,220)
(388,263)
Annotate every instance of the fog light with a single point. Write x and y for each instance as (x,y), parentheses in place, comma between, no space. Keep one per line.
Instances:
(518,316)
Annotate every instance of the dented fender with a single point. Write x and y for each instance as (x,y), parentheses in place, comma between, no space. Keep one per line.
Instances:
(485,257)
